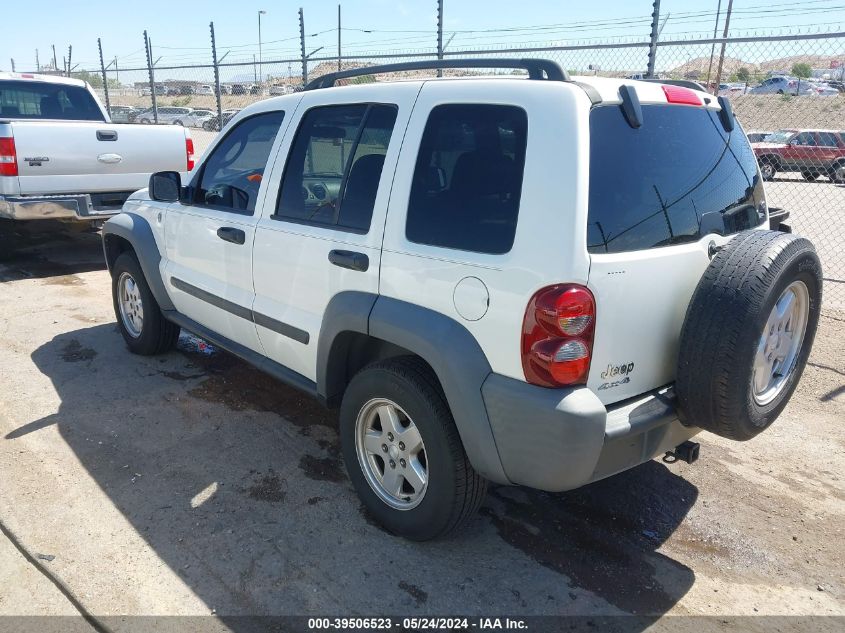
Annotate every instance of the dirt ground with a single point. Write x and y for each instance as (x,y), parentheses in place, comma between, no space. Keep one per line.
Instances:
(192,484)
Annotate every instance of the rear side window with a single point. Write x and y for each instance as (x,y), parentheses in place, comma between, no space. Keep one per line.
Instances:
(678,177)
(468,178)
(827,139)
(334,167)
(232,174)
(39,100)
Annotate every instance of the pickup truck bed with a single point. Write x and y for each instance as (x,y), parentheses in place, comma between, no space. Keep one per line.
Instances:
(75,164)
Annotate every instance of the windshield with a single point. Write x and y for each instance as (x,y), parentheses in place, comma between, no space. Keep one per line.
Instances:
(781,136)
(676,178)
(41,100)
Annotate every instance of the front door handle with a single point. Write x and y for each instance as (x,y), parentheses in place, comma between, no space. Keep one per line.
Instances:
(230,234)
(350,260)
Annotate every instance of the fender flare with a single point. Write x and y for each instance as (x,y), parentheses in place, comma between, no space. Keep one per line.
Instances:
(137,231)
(447,346)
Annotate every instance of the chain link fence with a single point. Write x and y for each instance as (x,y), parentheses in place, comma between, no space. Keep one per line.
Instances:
(786,90)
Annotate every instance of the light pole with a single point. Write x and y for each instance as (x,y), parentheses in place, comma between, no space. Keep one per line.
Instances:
(260,67)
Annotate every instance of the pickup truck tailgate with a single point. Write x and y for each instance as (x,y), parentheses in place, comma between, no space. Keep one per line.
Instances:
(89,157)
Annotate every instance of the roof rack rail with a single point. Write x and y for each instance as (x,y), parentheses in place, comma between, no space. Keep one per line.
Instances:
(537,69)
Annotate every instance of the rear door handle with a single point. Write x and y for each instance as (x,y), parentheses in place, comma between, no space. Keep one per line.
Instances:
(350,260)
(231,234)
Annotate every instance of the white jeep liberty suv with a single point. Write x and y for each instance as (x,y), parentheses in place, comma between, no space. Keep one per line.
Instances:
(531,280)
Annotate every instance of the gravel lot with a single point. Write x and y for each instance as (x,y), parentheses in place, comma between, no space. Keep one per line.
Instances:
(192,484)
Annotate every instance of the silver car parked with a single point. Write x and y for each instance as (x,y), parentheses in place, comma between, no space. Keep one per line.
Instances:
(783,85)
(166,114)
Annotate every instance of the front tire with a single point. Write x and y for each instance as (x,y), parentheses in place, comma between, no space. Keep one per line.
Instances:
(139,317)
(403,452)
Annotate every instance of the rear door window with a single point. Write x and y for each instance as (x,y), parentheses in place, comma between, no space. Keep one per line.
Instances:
(678,177)
(827,139)
(468,178)
(334,167)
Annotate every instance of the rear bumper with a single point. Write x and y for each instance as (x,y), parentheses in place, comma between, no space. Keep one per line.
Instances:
(560,439)
(85,206)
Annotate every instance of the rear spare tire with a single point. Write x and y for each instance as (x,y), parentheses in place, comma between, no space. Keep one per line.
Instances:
(748,332)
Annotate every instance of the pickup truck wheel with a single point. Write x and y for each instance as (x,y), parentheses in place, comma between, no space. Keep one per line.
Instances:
(403,453)
(837,173)
(748,332)
(139,318)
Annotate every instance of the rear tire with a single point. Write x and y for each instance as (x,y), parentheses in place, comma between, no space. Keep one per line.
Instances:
(452,492)
(743,344)
(837,173)
(151,333)
(768,169)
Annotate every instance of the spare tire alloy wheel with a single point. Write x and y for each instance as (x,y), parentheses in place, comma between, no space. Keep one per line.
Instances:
(391,454)
(781,342)
(748,333)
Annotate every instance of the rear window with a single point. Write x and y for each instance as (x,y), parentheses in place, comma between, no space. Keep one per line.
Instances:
(676,178)
(37,100)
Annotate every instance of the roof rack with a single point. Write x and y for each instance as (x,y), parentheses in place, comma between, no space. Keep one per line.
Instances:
(537,69)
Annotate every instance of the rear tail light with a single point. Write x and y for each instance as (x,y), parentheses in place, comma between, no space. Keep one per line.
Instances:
(679,94)
(189,152)
(557,336)
(8,157)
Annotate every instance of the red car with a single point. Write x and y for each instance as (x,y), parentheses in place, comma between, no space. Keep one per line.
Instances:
(814,153)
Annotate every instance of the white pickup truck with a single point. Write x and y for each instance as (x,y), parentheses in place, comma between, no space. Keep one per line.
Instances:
(62,158)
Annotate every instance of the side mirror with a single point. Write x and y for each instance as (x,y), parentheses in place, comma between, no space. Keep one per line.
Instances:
(165,186)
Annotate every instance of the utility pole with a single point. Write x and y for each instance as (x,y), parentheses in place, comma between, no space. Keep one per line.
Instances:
(439,34)
(37,61)
(116,71)
(216,79)
(260,55)
(69,53)
(713,45)
(254,70)
(652,47)
(722,52)
(148,46)
(13,64)
(338,38)
(302,46)
(55,61)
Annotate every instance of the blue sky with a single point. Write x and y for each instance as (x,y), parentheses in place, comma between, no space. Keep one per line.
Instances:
(179,30)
